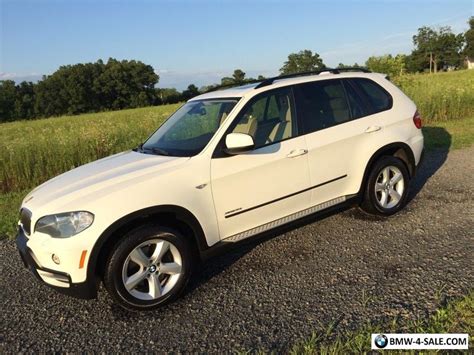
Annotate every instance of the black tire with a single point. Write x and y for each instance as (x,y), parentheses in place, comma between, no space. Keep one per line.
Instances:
(114,283)
(370,202)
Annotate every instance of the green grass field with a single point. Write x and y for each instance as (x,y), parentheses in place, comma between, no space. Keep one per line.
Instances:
(441,97)
(32,152)
(460,135)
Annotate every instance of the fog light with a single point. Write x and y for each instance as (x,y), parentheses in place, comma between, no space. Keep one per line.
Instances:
(55,259)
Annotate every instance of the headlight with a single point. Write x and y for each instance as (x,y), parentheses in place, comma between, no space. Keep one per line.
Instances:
(64,225)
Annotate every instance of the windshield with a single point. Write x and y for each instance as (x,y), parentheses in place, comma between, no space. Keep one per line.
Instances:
(190,128)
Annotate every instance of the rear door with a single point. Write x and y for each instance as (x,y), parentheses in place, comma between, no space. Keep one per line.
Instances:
(335,119)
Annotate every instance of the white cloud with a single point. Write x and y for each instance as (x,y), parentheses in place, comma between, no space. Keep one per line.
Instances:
(7,76)
(20,77)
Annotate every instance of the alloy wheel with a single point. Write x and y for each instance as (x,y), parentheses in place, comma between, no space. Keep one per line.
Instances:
(389,187)
(152,269)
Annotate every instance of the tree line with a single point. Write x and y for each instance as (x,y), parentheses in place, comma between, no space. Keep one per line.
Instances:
(80,88)
(115,85)
(95,87)
(434,50)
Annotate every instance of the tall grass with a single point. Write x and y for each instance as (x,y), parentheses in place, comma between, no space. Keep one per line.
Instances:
(31,152)
(34,151)
(441,96)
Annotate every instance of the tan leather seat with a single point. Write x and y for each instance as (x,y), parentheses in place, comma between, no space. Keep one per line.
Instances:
(282,129)
(247,125)
(340,111)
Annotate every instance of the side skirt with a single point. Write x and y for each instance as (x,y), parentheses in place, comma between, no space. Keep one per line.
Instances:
(284,220)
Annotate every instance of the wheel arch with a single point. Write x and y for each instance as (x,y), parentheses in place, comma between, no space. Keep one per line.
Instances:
(166,215)
(399,150)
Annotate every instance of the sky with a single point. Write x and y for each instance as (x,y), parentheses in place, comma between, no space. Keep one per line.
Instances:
(201,41)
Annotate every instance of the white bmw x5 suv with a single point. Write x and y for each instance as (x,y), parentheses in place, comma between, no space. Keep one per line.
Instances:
(226,166)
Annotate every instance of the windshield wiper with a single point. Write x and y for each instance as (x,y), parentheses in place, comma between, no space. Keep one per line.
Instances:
(139,148)
(159,151)
(155,150)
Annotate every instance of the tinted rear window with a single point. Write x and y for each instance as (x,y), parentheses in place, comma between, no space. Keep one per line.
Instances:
(321,104)
(358,106)
(378,98)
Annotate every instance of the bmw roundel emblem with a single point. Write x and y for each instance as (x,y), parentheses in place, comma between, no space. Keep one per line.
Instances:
(381,341)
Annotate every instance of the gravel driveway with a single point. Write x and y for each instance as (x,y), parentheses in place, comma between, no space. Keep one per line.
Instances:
(270,293)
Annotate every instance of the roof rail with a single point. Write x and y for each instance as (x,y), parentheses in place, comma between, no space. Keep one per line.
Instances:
(270,81)
(231,85)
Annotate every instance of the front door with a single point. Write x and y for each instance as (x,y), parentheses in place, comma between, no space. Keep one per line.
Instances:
(256,190)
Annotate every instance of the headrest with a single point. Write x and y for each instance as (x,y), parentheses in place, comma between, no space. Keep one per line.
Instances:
(338,103)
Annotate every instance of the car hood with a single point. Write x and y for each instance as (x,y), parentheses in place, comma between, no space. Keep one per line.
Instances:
(96,179)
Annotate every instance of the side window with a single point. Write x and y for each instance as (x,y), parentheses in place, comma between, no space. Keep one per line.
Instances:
(322,104)
(357,105)
(379,99)
(268,118)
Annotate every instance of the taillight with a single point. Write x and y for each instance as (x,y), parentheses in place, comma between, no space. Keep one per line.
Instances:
(417,119)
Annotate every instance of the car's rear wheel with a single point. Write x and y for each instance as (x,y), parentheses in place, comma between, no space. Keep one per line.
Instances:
(386,189)
(148,268)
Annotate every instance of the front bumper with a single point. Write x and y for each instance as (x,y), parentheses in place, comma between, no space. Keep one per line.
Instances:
(60,281)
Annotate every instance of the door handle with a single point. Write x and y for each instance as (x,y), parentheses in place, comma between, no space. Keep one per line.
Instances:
(373,129)
(296,153)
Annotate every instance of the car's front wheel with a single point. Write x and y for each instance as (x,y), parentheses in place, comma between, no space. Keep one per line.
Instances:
(386,189)
(148,268)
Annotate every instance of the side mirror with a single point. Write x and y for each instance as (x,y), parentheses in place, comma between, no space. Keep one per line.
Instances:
(238,143)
